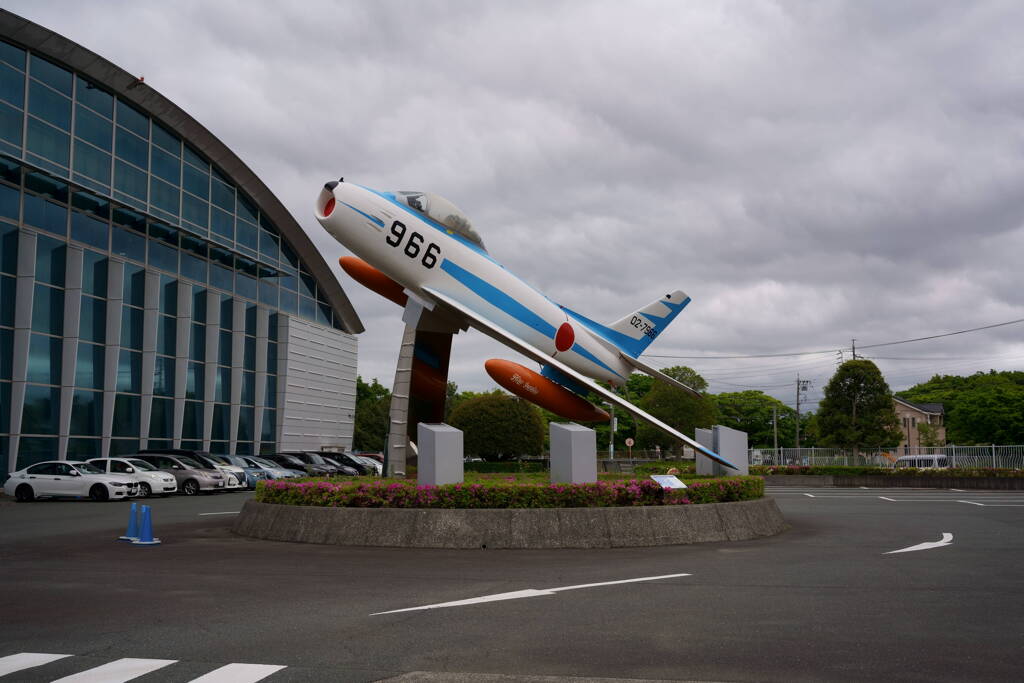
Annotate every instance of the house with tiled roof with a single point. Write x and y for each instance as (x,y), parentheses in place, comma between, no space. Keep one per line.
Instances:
(913,415)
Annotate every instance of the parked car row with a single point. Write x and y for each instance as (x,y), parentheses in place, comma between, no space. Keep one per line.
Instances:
(166,471)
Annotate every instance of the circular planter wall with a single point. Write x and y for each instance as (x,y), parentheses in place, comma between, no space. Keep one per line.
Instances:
(618,527)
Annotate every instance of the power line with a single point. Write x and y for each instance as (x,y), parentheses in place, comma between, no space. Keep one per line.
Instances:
(863,346)
(749,386)
(946,334)
(757,355)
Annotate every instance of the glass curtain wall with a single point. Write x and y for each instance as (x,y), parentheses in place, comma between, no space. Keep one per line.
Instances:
(84,172)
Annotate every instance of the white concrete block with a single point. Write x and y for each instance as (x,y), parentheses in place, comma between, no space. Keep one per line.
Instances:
(573,454)
(706,438)
(440,454)
(729,443)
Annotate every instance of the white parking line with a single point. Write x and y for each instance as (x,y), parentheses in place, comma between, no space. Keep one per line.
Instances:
(117,671)
(239,673)
(205,514)
(527,593)
(26,660)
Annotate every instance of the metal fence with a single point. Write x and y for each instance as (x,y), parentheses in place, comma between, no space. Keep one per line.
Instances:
(1011,457)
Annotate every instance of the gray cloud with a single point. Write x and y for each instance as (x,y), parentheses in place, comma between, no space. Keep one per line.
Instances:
(807,172)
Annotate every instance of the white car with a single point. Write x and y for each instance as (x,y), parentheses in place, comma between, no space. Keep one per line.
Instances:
(68,478)
(151,480)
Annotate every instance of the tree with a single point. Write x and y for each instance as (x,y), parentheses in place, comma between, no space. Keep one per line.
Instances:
(751,412)
(928,434)
(857,411)
(638,385)
(981,408)
(677,408)
(373,404)
(451,397)
(991,411)
(497,426)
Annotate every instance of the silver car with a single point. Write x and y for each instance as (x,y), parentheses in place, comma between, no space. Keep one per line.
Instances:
(190,475)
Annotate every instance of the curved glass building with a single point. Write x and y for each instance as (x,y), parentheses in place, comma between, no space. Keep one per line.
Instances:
(153,291)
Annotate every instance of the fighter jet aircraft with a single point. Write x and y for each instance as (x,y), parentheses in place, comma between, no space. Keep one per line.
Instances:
(420,251)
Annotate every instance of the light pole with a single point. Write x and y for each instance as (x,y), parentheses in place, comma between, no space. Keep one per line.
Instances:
(611,432)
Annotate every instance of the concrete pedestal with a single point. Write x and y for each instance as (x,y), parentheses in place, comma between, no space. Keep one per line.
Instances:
(729,443)
(573,454)
(440,454)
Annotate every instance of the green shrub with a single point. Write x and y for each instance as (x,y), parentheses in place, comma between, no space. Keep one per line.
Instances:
(838,471)
(406,494)
(505,467)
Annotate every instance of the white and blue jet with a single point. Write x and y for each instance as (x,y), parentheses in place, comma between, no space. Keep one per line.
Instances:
(419,250)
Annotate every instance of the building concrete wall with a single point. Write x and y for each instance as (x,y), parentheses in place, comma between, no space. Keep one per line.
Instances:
(910,418)
(316,385)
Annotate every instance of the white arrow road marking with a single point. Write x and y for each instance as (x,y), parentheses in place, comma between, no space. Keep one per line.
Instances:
(527,593)
(947,539)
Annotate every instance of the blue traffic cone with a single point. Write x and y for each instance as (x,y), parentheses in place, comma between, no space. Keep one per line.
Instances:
(133,525)
(146,529)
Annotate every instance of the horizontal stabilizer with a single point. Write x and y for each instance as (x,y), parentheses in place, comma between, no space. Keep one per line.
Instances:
(660,376)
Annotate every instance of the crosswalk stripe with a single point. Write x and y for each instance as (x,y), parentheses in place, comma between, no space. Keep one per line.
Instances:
(117,671)
(239,673)
(26,660)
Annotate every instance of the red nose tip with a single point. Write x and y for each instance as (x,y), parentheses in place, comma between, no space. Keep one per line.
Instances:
(329,207)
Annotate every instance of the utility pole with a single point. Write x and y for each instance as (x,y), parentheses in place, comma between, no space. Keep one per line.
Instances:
(853,348)
(775,430)
(801,386)
(611,434)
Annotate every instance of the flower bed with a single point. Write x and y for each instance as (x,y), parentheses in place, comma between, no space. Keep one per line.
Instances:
(392,493)
(837,471)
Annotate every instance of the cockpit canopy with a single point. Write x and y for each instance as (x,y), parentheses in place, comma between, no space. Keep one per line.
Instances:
(441,210)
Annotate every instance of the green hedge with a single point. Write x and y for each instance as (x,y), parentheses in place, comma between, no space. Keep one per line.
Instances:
(406,494)
(837,471)
(505,467)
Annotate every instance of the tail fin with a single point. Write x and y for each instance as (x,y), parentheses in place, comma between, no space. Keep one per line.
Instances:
(635,332)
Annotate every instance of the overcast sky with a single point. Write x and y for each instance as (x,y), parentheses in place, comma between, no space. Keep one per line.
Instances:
(808,172)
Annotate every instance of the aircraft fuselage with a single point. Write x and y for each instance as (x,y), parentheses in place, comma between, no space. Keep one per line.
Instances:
(419,252)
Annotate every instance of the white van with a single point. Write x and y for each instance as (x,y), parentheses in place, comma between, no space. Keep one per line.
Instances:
(924,462)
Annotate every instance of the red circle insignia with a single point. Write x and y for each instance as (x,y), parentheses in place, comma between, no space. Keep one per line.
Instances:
(565,337)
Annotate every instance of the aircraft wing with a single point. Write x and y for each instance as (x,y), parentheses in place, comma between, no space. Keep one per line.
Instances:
(657,374)
(491,330)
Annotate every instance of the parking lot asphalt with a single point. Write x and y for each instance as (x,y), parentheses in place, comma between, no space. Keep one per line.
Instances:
(823,601)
